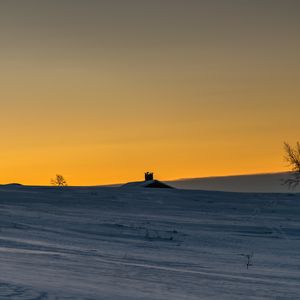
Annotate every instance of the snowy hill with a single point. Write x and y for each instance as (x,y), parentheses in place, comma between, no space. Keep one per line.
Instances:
(115,244)
(257,183)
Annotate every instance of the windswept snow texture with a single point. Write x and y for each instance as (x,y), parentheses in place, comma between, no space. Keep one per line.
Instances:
(114,244)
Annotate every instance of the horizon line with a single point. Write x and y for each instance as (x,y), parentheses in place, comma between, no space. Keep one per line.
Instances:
(165,180)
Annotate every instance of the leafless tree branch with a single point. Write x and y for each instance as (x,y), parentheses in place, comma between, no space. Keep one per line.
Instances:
(292,156)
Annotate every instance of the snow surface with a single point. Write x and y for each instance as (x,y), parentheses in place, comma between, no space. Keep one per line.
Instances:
(114,243)
(255,183)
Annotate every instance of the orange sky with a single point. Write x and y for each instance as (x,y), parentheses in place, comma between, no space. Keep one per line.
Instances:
(101,91)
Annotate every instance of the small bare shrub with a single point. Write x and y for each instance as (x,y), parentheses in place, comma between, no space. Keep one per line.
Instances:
(59,181)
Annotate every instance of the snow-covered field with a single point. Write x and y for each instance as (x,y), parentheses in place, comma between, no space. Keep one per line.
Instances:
(254,183)
(117,243)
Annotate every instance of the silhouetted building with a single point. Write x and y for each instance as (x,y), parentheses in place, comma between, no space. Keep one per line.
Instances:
(148,176)
(149,182)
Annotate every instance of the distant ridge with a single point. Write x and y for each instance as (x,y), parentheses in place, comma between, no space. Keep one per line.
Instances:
(13,184)
(256,183)
(147,184)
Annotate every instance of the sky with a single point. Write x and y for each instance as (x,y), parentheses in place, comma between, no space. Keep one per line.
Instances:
(101,91)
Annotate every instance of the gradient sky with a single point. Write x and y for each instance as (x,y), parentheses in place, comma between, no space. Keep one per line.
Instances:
(101,91)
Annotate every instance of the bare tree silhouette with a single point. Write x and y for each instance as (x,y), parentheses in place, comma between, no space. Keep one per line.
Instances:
(59,181)
(292,156)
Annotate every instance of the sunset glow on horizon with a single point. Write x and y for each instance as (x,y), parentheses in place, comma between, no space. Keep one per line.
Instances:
(101,91)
